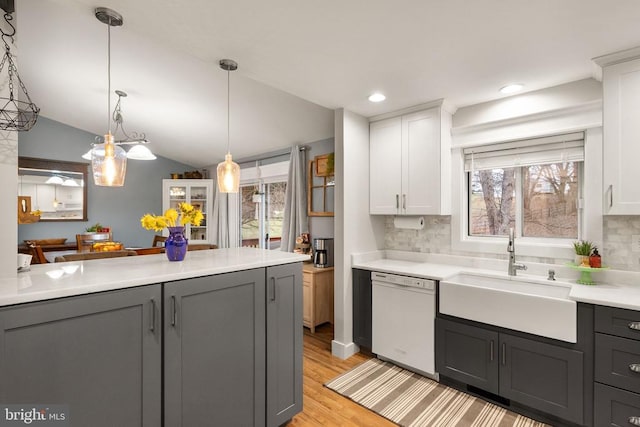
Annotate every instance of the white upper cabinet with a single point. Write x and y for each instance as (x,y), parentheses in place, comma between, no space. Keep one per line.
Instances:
(621,127)
(410,164)
(385,158)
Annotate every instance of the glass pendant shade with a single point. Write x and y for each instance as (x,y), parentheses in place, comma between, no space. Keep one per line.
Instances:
(140,152)
(87,155)
(54,180)
(228,175)
(109,163)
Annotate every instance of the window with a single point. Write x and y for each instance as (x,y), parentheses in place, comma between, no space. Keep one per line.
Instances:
(532,186)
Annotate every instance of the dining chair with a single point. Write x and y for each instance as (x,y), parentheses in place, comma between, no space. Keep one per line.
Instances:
(85,241)
(158,239)
(84,256)
(201,247)
(37,255)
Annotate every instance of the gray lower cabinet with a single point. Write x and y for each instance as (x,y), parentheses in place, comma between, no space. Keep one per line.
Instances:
(542,376)
(362,303)
(536,374)
(615,407)
(100,354)
(617,372)
(467,354)
(214,350)
(284,343)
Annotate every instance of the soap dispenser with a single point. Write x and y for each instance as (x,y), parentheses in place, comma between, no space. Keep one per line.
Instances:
(595,260)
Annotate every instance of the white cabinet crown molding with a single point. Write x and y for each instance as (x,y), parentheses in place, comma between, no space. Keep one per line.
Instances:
(617,57)
(562,120)
(445,105)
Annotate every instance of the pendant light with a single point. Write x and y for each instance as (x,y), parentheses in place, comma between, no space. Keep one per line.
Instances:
(108,161)
(138,141)
(228,171)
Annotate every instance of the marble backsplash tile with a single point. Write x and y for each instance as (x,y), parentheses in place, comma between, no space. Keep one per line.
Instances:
(435,237)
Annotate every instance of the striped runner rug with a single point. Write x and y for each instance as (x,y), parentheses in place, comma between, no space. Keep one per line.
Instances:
(409,399)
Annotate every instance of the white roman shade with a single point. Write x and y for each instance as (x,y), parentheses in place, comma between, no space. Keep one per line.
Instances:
(527,152)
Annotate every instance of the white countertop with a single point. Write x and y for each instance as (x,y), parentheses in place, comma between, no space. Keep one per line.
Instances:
(615,288)
(55,280)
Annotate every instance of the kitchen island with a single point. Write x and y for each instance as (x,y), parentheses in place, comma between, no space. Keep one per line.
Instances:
(213,340)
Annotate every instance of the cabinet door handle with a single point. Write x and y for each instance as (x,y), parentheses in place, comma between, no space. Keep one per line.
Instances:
(635,326)
(273,288)
(491,352)
(397,201)
(504,354)
(173,310)
(610,196)
(404,202)
(152,325)
(634,421)
(635,367)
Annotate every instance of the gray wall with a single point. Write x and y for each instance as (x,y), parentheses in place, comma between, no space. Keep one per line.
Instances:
(119,208)
(320,226)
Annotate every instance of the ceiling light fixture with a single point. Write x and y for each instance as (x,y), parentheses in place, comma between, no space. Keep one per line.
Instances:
(228,171)
(377,97)
(56,180)
(511,88)
(138,151)
(15,113)
(108,161)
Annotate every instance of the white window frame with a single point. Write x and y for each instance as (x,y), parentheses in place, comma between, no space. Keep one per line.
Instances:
(530,246)
(260,175)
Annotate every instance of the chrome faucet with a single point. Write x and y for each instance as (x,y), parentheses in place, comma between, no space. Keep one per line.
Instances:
(513,266)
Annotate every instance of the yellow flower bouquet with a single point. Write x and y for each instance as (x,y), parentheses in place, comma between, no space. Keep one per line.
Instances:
(174,220)
(187,214)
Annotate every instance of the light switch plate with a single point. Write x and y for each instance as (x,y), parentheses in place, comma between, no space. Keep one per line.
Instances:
(635,243)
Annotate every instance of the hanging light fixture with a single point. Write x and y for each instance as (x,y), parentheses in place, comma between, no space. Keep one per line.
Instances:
(228,171)
(108,161)
(17,112)
(138,140)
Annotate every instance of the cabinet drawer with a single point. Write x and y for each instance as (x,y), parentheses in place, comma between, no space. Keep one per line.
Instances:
(618,362)
(615,407)
(618,321)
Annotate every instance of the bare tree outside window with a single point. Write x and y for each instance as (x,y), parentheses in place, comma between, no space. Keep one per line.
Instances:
(492,202)
(548,198)
(257,200)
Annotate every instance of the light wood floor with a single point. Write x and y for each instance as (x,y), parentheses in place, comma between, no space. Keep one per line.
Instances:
(321,406)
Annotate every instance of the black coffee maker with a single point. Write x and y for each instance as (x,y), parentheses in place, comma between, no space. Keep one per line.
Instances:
(323,252)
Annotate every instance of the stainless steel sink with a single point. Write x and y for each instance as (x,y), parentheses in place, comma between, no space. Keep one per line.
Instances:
(518,303)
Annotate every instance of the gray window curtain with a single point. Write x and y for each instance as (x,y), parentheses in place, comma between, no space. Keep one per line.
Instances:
(295,205)
(220,224)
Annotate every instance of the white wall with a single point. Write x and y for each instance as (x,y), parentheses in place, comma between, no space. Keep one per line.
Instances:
(355,230)
(9,180)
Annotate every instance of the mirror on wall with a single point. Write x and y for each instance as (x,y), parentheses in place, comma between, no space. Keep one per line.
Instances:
(56,188)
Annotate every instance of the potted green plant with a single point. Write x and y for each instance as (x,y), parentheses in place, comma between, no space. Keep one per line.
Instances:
(583,250)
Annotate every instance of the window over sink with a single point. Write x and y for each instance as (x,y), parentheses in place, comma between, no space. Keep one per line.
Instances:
(545,187)
(533,186)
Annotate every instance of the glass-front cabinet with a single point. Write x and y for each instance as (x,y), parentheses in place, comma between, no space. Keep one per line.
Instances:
(197,192)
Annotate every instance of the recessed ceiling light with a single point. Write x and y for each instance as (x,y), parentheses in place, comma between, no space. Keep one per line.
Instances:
(377,97)
(512,88)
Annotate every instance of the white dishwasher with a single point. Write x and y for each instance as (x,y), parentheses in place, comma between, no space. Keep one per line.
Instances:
(403,315)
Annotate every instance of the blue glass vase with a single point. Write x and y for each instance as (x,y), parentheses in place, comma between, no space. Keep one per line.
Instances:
(176,244)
